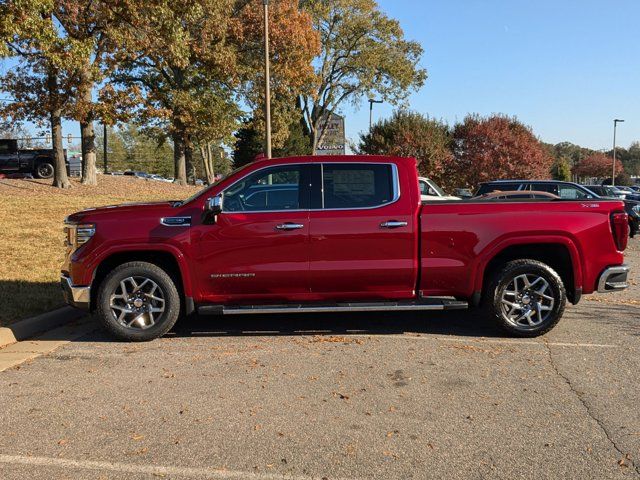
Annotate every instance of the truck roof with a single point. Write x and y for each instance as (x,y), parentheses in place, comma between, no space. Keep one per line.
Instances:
(339,159)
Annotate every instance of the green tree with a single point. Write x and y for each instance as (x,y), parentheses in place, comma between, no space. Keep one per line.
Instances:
(410,134)
(128,148)
(364,54)
(630,158)
(249,144)
(561,169)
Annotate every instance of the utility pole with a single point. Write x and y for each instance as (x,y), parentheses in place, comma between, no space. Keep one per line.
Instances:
(613,171)
(267,79)
(104,147)
(371,102)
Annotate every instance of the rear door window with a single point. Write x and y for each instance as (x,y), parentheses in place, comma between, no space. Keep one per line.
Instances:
(357,185)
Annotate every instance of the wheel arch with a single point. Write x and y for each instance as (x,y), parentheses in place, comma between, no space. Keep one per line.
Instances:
(560,254)
(168,261)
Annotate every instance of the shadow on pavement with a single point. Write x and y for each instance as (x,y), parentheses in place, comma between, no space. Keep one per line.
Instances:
(469,324)
(368,323)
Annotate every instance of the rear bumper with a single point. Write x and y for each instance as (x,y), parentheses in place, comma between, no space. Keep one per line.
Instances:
(74,295)
(613,279)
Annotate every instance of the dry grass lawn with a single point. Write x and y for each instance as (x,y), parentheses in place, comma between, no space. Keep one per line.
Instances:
(31,237)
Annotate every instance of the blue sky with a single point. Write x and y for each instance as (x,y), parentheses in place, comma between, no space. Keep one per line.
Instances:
(564,67)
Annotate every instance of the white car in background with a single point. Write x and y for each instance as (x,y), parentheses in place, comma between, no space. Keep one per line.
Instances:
(429,191)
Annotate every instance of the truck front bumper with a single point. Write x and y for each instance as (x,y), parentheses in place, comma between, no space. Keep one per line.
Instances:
(76,296)
(613,279)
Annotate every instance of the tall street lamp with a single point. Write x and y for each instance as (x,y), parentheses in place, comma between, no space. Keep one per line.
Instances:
(267,78)
(371,102)
(613,171)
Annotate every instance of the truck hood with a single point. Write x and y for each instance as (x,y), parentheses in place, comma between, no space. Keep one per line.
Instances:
(143,209)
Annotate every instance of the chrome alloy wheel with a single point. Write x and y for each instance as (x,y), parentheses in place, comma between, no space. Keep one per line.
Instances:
(527,301)
(138,302)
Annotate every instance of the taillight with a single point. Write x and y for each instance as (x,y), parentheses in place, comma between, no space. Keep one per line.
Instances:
(620,228)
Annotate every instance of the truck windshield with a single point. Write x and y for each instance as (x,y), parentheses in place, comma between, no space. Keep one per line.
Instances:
(200,192)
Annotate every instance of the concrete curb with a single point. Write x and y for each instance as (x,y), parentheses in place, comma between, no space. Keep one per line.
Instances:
(30,327)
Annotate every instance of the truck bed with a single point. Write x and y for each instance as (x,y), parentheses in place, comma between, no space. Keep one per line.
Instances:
(458,239)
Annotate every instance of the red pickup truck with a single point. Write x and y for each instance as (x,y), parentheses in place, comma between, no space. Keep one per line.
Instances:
(349,233)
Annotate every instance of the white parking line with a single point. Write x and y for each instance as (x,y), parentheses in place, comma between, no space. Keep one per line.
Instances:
(527,343)
(190,472)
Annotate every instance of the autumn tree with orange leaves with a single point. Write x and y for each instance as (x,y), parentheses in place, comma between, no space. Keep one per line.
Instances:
(411,134)
(194,63)
(597,165)
(496,147)
(41,85)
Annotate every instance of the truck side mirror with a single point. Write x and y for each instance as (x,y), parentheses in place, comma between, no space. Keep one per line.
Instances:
(212,208)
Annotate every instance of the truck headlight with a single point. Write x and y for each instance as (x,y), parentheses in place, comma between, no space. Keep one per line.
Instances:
(78,234)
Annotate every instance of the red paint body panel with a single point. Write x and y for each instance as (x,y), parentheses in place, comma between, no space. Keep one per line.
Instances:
(250,259)
(353,258)
(459,239)
(345,254)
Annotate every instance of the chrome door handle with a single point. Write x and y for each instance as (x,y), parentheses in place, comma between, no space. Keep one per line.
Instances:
(393,224)
(289,226)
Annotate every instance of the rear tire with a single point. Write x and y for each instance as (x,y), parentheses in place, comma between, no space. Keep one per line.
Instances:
(525,298)
(137,302)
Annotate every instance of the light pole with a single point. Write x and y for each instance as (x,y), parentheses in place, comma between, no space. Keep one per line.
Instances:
(104,147)
(613,171)
(267,78)
(371,102)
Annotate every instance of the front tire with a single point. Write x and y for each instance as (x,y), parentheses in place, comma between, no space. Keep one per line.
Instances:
(526,298)
(137,302)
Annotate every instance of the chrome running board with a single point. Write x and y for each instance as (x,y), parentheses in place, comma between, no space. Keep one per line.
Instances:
(437,304)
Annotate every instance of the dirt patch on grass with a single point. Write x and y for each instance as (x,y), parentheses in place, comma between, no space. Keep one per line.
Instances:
(31,238)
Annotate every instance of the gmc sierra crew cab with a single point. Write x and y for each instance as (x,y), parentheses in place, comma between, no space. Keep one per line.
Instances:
(347,233)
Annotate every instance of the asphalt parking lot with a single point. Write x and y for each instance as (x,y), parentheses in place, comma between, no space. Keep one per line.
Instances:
(335,396)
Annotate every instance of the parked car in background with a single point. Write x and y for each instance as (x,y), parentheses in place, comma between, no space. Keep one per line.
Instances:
(37,162)
(629,193)
(463,193)
(564,190)
(429,191)
(131,173)
(348,234)
(518,195)
(632,207)
(635,188)
(606,191)
(158,178)
(74,165)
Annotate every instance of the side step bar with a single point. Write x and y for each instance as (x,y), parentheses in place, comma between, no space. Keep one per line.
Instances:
(423,304)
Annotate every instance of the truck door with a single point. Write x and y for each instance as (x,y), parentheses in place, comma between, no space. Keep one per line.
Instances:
(363,237)
(258,249)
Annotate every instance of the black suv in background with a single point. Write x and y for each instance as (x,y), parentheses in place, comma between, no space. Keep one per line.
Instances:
(566,190)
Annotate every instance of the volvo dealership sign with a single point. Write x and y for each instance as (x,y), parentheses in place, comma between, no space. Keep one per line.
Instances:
(332,138)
